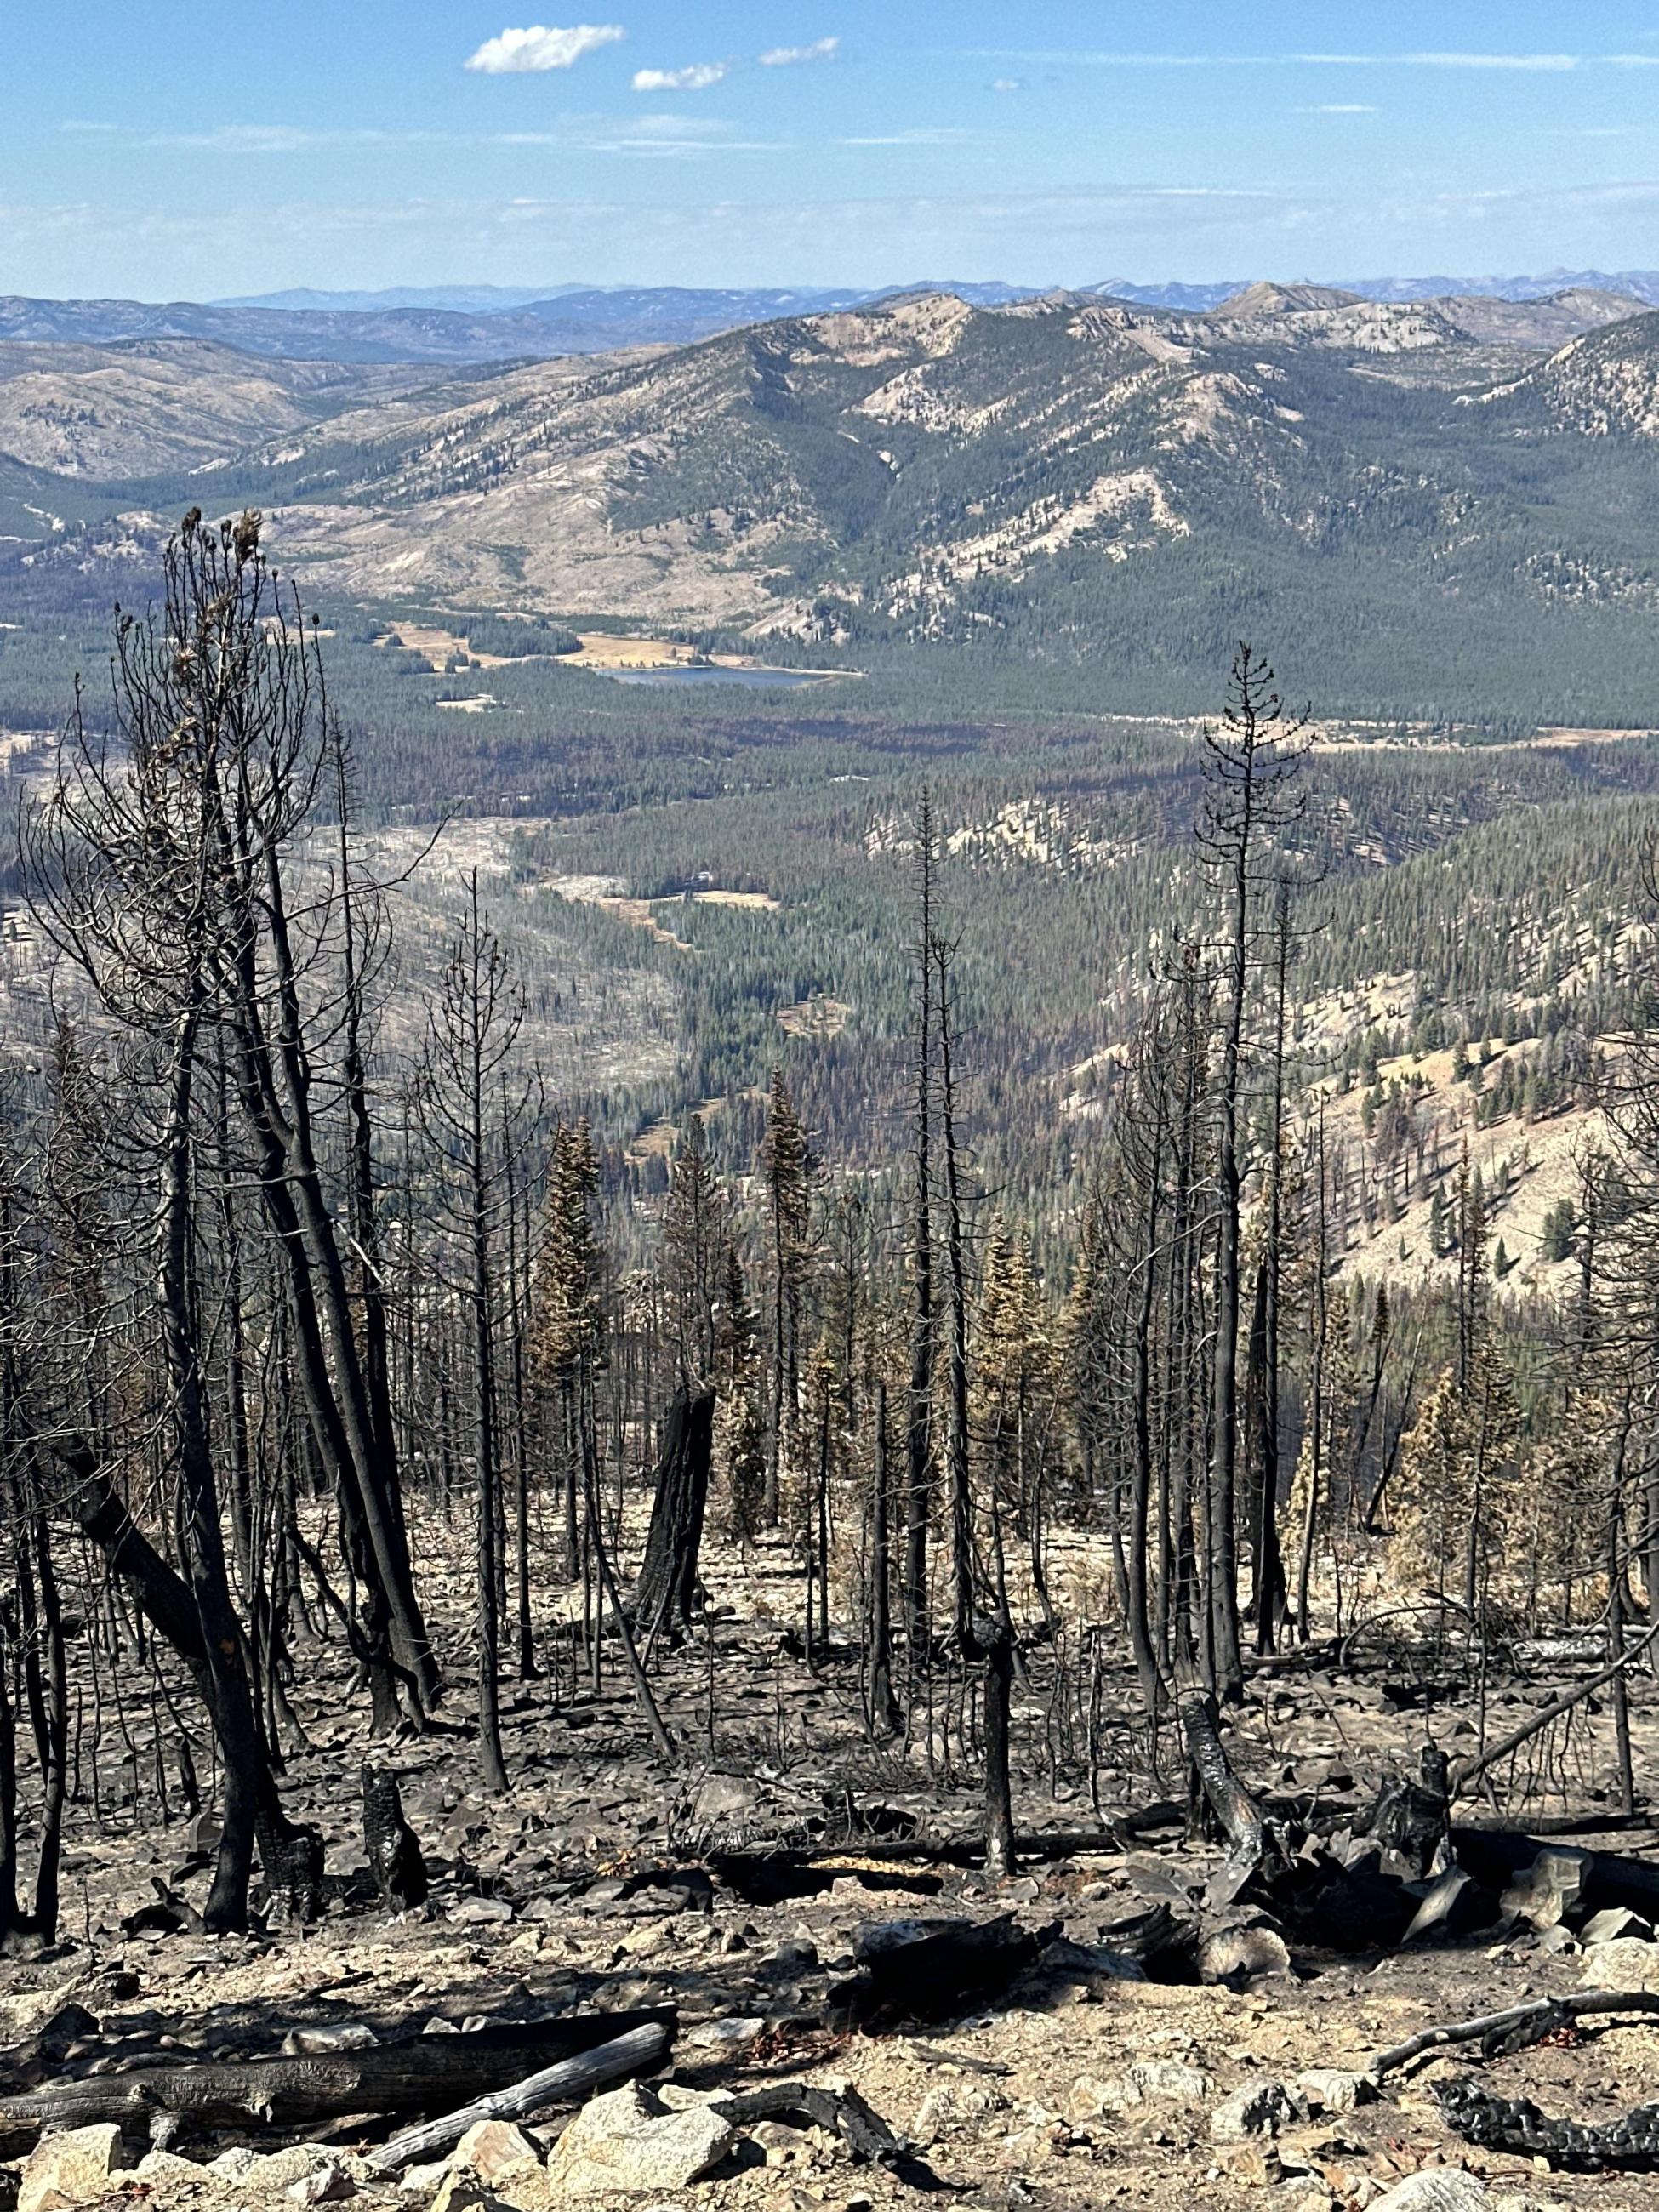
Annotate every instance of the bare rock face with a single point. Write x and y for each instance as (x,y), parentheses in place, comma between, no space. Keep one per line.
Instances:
(627,2140)
(71,2168)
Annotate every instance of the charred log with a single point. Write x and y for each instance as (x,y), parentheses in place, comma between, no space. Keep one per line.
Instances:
(416,2074)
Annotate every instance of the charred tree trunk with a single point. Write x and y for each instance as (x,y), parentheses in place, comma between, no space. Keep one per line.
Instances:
(883,1705)
(664,1596)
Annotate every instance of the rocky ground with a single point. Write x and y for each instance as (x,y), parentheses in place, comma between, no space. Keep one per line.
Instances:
(603,1881)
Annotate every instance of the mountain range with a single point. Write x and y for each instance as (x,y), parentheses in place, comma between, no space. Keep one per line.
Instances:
(485,322)
(1466,483)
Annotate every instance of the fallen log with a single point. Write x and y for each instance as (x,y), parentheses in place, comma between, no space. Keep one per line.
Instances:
(636,2052)
(1240,1817)
(1469,1770)
(1515,2124)
(409,2075)
(1498,2033)
(770,1876)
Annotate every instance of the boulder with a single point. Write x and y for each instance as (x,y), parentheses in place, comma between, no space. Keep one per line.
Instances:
(74,2168)
(627,2139)
(724,1801)
(279,2170)
(1436,2189)
(324,2185)
(1255,2109)
(496,2151)
(234,2164)
(462,2192)
(164,2171)
(1332,2089)
(1625,1963)
(423,2181)
(1150,2081)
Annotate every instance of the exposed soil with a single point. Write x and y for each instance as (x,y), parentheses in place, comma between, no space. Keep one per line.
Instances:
(603,1880)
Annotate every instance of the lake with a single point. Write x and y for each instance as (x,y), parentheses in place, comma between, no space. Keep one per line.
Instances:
(770,679)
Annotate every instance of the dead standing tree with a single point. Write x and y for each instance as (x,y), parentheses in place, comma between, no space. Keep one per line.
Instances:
(472,1034)
(225,750)
(1252,805)
(919,1414)
(126,864)
(984,1632)
(664,1596)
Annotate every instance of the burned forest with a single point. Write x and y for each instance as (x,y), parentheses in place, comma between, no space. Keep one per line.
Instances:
(773,1658)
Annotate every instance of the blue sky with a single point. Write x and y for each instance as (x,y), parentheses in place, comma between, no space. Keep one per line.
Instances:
(178,148)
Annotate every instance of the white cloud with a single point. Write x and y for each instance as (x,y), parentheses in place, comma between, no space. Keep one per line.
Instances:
(1530,62)
(1337,107)
(1008,84)
(1074,58)
(940,135)
(695,77)
(821,50)
(542,48)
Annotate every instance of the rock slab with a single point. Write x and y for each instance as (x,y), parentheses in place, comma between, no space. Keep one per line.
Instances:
(628,2140)
(71,2168)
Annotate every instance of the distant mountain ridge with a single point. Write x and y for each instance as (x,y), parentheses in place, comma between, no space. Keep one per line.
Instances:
(478,326)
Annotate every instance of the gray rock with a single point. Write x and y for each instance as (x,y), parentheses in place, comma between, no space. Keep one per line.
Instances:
(1623,1964)
(1168,2079)
(495,2150)
(1240,1954)
(329,2035)
(794,1951)
(165,2170)
(724,1800)
(328,2185)
(1258,2108)
(1436,2189)
(280,2169)
(1330,2089)
(721,2034)
(627,2139)
(74,2165)
(234,2165)
(1152,2081)
(1610,1924)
